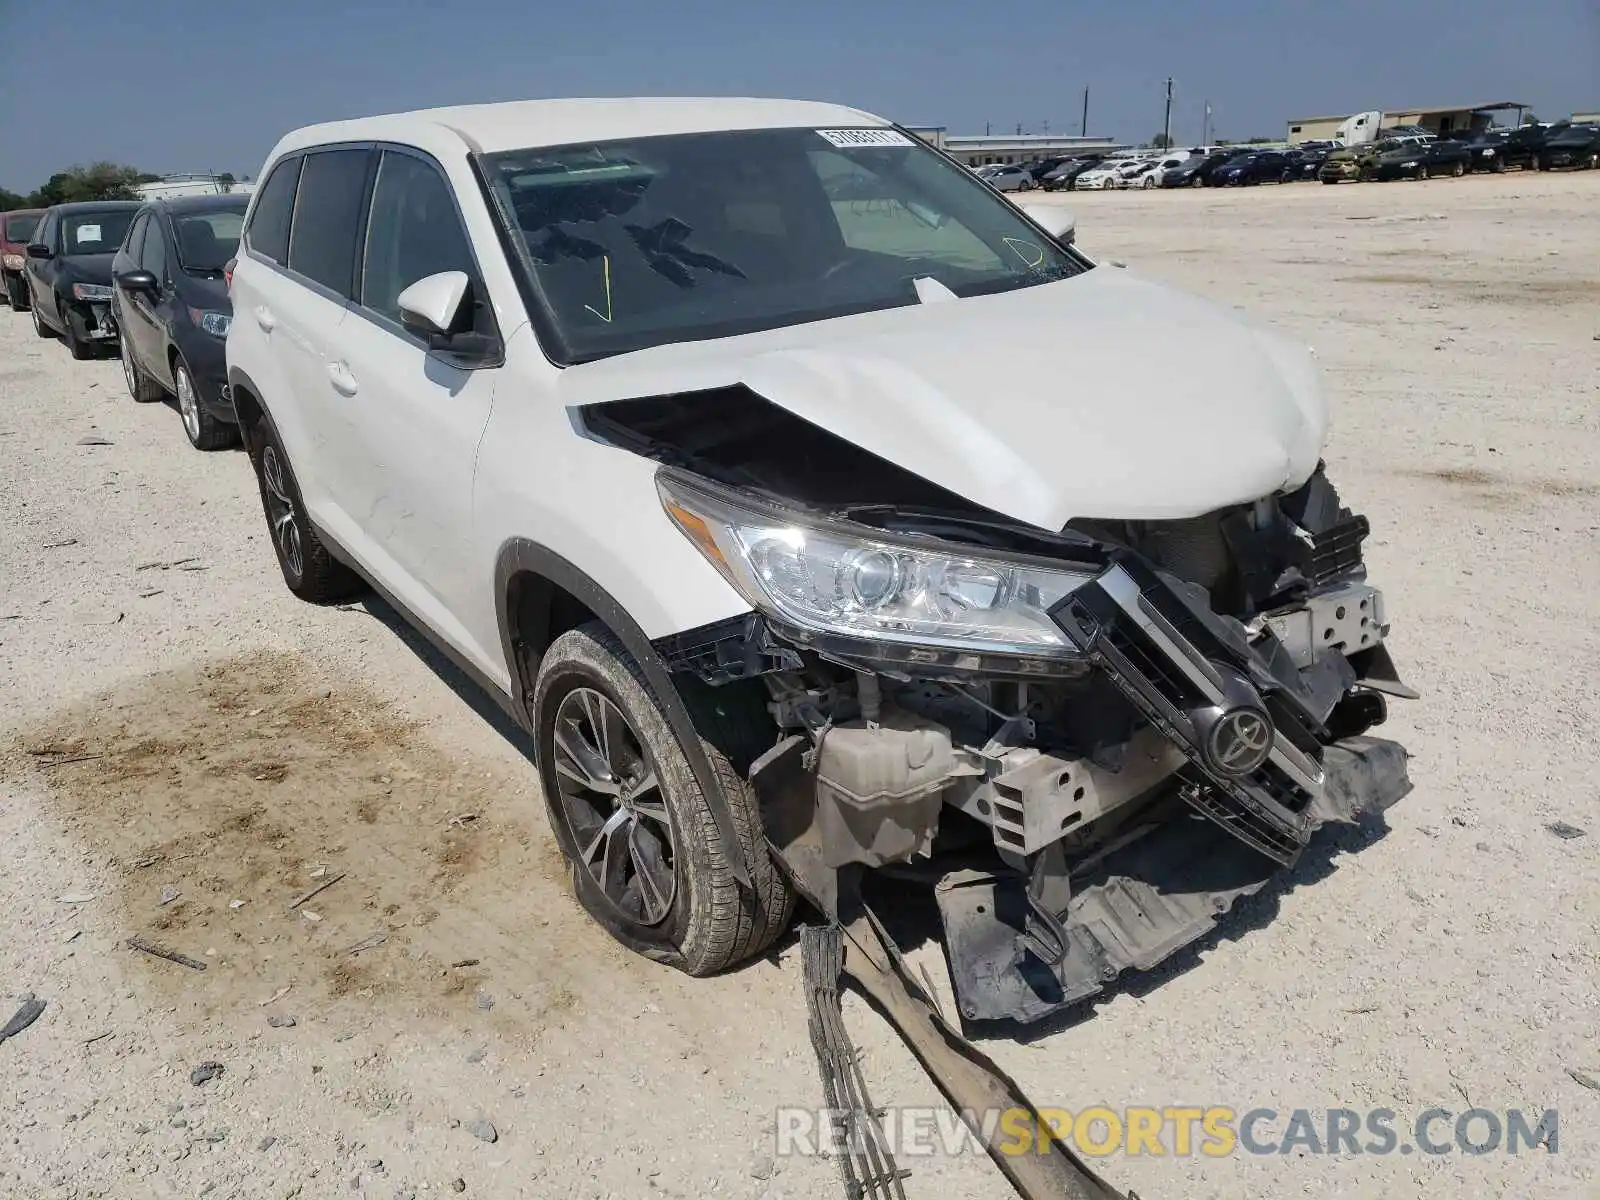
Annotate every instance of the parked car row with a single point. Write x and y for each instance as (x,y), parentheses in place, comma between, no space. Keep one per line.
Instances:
(1405,152)
(1422,156)
(147,279)
(666,420)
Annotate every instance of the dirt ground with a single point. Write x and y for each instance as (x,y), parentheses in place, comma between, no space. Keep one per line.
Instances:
(185,750)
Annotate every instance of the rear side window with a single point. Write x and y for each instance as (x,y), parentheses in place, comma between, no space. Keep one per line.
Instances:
(413,232)
(327,218)
(269,224)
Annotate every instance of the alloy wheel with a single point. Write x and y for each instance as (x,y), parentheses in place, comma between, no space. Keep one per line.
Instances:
(128,371)
(611,799)
(188,405)
(280,511)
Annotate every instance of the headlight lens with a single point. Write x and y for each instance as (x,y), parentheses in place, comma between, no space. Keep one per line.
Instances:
(91,291)
(14,262)
(214,323)
(837,578)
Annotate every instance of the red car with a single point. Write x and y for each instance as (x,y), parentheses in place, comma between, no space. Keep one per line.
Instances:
(16,231)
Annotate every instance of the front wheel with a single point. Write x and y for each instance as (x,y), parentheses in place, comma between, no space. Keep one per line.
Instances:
(39,327)
(16,293)
(204,430)
(78,343)
(1458,170)
(646,856)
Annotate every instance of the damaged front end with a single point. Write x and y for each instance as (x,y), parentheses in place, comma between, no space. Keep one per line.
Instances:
(1091,741)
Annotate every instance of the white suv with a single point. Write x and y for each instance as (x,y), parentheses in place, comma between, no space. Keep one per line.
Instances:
(674,423)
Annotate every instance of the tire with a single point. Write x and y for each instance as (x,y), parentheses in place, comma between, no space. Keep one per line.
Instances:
(78,346)
(1423,172)
(39,327)
(1458,170)
(140,386)
(1197,182)
(1148,182)
(204,431)
(16,293)
(310,572)
(709,922)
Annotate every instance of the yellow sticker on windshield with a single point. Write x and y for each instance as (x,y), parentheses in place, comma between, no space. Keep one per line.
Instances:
(1030,253)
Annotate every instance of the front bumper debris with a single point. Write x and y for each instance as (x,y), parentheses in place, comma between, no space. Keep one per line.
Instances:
(1141,905)
(1247,817)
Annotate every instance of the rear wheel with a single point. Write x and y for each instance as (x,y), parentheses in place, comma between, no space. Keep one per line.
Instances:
(140,386)
(647,858)
(309,570)
(204,430)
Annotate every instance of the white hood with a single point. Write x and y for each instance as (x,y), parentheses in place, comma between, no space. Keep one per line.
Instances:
(1038,403)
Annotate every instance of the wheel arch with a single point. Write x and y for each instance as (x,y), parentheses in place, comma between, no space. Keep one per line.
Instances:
(540,595)
(247,405)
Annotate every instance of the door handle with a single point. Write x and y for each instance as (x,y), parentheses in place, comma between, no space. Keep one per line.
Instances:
(343,382)
(264,318)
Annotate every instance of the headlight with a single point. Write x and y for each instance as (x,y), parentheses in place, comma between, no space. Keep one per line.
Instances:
(214,323)
(832,577)
(91,291)
(14,262)
(1412,163)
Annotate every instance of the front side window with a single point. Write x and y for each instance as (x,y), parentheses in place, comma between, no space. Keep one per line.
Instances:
(20,229)
(45,235)
(631,244)
(414,231)
(135,239)
(327,217)
(153,257)
(268,234)
(207,240)
(95,232)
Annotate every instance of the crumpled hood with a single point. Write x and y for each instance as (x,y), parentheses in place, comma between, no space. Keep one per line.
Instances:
(1104,395)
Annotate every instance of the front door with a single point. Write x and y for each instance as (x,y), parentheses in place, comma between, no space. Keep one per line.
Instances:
(406,429)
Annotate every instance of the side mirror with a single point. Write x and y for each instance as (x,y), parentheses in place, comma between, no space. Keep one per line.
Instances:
(1057,222)
(439,309)
(433,306)
(138,281)
(39,250)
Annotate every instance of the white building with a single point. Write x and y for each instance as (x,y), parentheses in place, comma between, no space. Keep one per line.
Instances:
(977,150)
(204,184)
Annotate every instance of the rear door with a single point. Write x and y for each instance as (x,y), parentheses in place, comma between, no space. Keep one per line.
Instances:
(409,421)
(299,305)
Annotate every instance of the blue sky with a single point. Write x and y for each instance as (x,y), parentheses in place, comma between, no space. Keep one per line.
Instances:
(171,86)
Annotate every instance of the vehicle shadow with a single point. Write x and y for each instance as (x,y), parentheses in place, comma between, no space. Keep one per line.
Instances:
(453,677)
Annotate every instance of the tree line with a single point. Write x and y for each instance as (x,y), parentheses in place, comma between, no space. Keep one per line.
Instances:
(97,181)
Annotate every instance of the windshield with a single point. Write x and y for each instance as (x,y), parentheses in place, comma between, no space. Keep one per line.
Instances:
(206,241)
(667,239)
(95,232)
(20,229)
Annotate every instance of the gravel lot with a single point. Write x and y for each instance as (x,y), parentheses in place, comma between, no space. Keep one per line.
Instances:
(171,721)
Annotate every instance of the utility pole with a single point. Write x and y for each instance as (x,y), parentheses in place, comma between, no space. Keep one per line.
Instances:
(1205,126)
(1166,125)
(986,130)
(1085,130)
(1019,128)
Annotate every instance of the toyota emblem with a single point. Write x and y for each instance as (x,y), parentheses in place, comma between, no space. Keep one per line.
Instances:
(1240,741)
